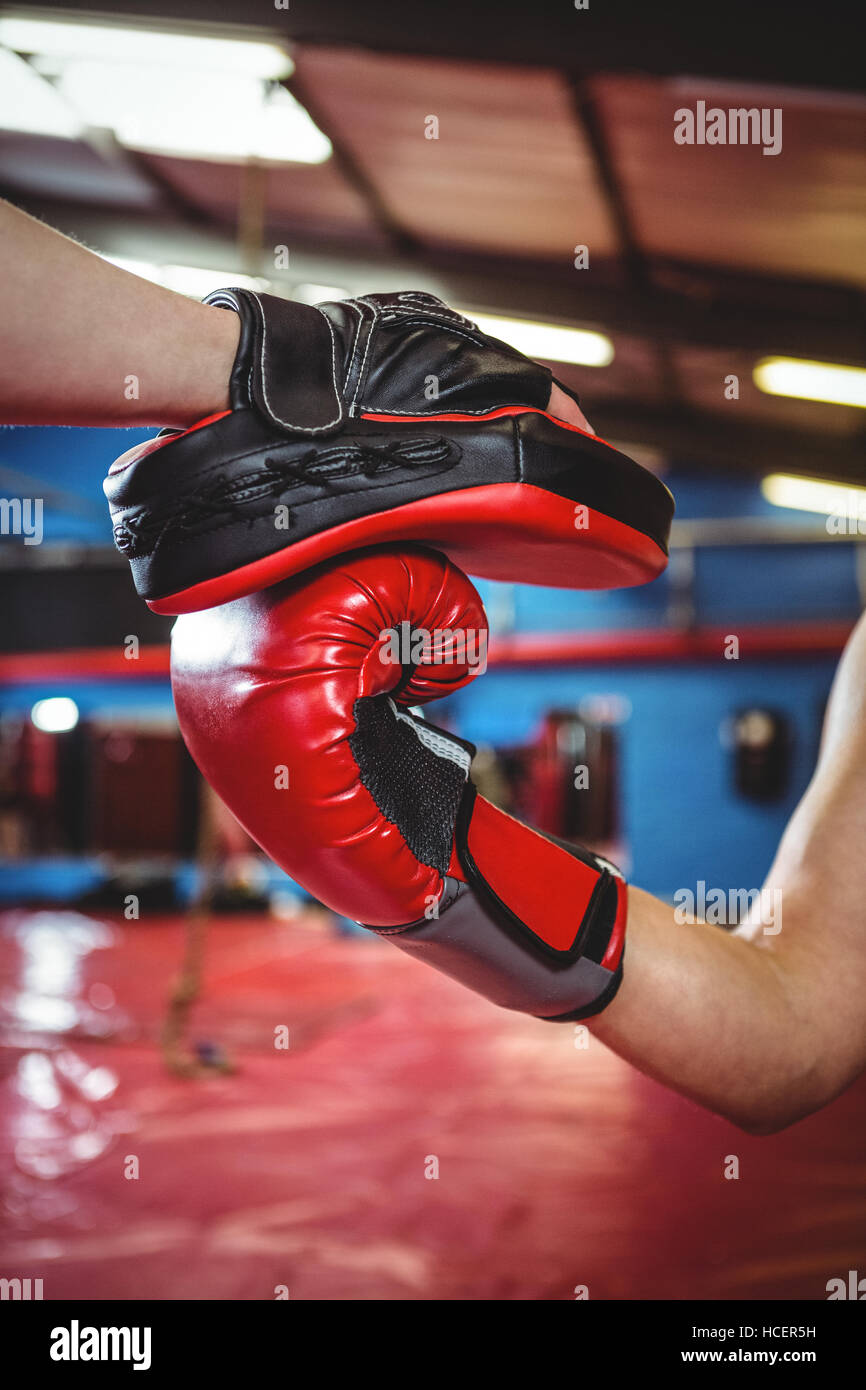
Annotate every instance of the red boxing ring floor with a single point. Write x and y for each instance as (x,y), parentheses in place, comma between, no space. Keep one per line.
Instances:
(557,1167)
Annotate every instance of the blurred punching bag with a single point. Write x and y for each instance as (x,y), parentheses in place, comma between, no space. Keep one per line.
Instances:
(570,783)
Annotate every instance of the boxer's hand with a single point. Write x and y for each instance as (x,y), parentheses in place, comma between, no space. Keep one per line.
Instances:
(295,704)
(564,408)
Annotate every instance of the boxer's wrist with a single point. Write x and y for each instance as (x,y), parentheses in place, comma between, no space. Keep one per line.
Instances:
(214,354)
(532,923)
(464,939)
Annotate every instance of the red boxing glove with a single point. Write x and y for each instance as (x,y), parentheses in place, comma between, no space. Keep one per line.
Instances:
(294,703)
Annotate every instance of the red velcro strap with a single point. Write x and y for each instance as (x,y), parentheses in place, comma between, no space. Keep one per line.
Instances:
(547,889)
(613,955)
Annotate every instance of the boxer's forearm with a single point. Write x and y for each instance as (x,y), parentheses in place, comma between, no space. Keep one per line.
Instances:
(85,343)
(765,1027)
(709,1014)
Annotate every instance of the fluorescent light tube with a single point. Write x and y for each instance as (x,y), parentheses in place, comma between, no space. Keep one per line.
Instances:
(548,341)
(815,495)
(200,115)
(118,43)
(192,280)
(28,102)
(811,381)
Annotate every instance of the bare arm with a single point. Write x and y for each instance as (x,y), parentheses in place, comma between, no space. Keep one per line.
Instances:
(764,1027)
(75,329)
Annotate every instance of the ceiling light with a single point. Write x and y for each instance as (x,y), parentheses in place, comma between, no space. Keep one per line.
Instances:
(815,495)
(55,715)
(29,103)
(811,381)
(548,341)
(318,294)
(197,281)
(146,270)
(119,43)
(166,92)
(200,115)
(192,280)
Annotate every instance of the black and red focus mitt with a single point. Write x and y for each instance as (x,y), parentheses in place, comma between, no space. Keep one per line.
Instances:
(388,418)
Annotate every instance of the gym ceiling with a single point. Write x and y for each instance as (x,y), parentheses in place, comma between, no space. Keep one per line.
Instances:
(555,130)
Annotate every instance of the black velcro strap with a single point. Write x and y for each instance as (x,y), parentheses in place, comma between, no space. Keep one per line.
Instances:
(287,361)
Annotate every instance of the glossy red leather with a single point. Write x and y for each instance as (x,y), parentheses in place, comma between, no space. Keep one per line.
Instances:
(265,689)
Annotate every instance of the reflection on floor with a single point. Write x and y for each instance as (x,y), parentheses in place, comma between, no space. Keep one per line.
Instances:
(314,1169)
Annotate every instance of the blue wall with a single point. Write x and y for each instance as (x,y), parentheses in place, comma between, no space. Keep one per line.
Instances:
(682,819)
(73,462)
